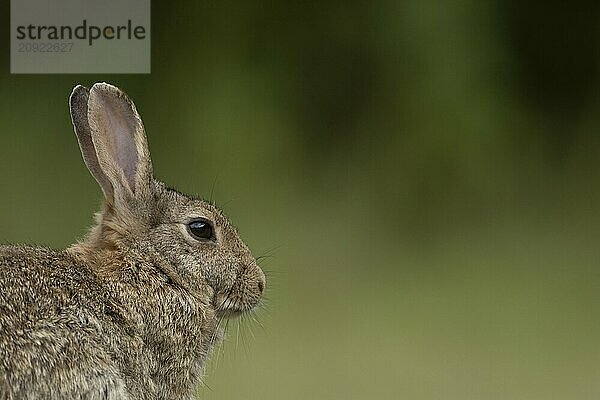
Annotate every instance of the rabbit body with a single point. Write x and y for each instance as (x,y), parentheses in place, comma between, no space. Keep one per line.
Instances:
(61,348)
(133,310)
(87,336)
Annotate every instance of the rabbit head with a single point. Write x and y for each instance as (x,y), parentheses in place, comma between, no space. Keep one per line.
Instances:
(189,239)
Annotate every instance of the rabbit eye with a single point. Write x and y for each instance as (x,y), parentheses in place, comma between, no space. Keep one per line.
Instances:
(201,229)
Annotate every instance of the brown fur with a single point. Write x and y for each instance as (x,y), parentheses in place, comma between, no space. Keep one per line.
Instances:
(132,311)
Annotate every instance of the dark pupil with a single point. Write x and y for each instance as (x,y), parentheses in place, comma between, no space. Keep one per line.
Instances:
(201,229)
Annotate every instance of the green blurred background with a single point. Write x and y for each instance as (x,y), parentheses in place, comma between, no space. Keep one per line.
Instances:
(421,175)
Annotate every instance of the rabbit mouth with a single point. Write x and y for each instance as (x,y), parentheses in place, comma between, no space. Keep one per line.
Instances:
(231,305)
(229,314)
(225,307)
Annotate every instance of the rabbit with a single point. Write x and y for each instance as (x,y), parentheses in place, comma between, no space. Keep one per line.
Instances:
(133,310)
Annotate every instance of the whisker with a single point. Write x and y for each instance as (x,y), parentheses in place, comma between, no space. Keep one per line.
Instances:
(245,339)
(250,317)
(237,334)
(222,347)
(272,249)
(212,188)
(264,257)
(228,201)
(256,320)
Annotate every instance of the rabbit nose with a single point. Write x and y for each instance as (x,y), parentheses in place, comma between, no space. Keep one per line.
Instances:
(261,286)
(262,280)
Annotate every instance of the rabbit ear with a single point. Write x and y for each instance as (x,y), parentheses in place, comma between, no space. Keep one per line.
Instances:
(119,141)
(78,105)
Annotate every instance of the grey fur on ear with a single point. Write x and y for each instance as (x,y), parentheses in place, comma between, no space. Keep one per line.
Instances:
(119,138)
(78,105)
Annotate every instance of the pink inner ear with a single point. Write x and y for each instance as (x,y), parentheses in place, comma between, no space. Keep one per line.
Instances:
(121,125)
(126,150)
